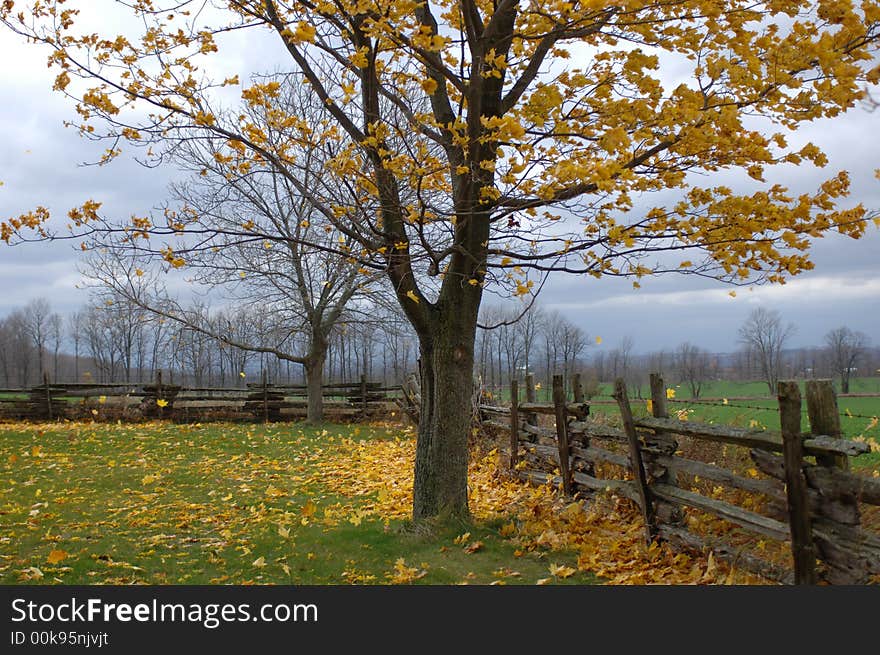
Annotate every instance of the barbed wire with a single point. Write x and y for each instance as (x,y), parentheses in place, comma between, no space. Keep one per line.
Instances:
(697,403)
(845,413)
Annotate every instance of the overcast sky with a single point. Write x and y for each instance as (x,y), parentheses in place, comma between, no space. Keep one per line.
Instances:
(40,164)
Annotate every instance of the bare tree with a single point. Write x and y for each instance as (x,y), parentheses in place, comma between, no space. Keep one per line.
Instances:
(56,335)
(845,347)
(527,329)
(764,335)
(692,365)
(36,321)
(75,329)
(273,250)
(572,345)
(16,349)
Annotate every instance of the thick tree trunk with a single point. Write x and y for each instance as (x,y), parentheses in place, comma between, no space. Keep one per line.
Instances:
(447,365)
(314,370)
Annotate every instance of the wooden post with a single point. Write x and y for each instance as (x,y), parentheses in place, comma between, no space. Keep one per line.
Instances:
(578,388)
(159,392)
(559,403)
(658,397)
(364,395)
(635,458)
(825,418)
(514,423)
(661,443)
(802,550)
(265,397)
(836,509)
(531,418)
(48,395)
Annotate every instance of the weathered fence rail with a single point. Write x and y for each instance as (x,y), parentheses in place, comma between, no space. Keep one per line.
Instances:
(256,401)
(805,496)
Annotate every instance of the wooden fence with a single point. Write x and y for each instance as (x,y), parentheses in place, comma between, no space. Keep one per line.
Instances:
(257,401)
(798,490)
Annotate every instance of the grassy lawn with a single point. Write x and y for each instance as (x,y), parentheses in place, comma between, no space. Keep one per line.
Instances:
(764,414)
(211,504)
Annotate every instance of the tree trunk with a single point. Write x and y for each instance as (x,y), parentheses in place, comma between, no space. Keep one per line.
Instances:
(314,370)
(446,372)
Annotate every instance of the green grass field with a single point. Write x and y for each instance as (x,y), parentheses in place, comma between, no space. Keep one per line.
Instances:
(857,414)
(220,503)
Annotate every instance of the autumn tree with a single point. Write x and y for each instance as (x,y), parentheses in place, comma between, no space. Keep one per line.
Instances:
(763,334)
(491,143)
(845,347)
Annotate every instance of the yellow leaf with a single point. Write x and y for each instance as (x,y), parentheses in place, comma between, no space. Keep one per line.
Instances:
(260,562)
(102,399)
(562,571)
(138,272)
(241,375)
(308,509)
(56,556)
(37,451)
(598,341)
(670,393)
(161,402)
(284,532)
(412,296)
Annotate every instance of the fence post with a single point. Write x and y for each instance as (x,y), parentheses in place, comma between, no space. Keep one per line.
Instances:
(159,395)
(48,395)
(635,458)
(531,417)
(514,423)
(265,397)
(578,388)
(834,507)
(825,418)
(364,395)
(559,403)
(802,550)
(661,443)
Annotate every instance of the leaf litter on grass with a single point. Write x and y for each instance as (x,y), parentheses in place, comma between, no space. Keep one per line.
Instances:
(163,503)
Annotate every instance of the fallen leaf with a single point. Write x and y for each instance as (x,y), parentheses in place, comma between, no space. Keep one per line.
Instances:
(473,547)
(56,556)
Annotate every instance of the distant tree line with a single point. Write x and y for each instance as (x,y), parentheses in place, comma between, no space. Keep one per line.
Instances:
(114,340)
(111,339)
(545,343)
